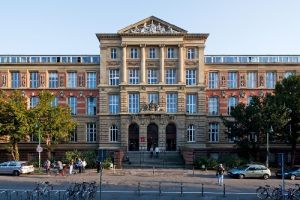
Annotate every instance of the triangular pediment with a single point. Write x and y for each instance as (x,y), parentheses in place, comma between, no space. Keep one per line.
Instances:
(152,25)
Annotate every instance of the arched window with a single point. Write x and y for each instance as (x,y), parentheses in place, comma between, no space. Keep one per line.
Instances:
(113,132)
(191,133)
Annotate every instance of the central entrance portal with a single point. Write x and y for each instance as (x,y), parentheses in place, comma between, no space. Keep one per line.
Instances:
(171,137)
(152,136)
(133,137)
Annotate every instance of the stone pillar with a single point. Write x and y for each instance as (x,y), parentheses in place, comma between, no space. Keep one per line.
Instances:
(181,64)
(162,64)
(124,67)
(143,63)
(201,65)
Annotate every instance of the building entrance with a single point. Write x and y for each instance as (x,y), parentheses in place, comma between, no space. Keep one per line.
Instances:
(171,137)
(133,137)
(152,136)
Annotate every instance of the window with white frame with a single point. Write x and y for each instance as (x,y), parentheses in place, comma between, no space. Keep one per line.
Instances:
(91,80)
(54,102)
(72,80)
(72,102)
(190,77)
(134,53)
(153,97)
(34,79)
(152,76)
(213,132)
(249,100)
(113,53)
(134,76)
(213,105)
(171,76)
(53,80)
(34,100)
(270,80)
(133,103)
(171,102)
(191,103)
(191,133)
(232,80)
(15,79)
(114,77)
(191,53)
(73,135)
(213,80)
(251,80)
(232,102)
(288,74)
(91,106)
(152,52)
(114,104)
(113,132)
(91,131)
(170,52)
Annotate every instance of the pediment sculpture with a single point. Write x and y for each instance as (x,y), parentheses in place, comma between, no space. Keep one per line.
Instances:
(152,107)
(153,28)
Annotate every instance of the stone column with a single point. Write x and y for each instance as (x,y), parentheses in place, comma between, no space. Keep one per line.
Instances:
(200,74)
(162,64)
(124,67)
(143,63)
(181,64)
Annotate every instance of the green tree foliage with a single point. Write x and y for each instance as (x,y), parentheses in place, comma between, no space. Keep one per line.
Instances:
(14,120)
(52,124)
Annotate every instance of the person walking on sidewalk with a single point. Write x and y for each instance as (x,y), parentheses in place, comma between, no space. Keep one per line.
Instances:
(220,174)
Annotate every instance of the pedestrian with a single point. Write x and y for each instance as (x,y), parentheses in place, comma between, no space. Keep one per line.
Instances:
(151,151)
(71,165)
(98,165)
(60,168)
(47,166)
(220,174)
(156,151)
(79,165)
(84,164)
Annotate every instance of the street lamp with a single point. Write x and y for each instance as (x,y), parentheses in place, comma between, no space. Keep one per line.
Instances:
(267,157)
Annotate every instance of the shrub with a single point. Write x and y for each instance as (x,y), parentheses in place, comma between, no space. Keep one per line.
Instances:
(89,156)
(107,163)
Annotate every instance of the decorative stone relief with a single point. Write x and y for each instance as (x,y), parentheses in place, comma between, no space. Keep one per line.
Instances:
(261,93)
(152,64)
(170,64)
(261,81)
(23,80)
(242,94)
(191,62)
(113,63)
(81,80)
(133,63)
(223,81)
(242,81)
(42,80)
(61,81)
(152,28)
(4,80)
(223,93)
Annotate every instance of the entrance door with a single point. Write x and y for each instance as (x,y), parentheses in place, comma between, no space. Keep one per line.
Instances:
(152,136)
(171,137)
(133,137)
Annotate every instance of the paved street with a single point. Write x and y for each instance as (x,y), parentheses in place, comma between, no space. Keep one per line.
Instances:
(143,184)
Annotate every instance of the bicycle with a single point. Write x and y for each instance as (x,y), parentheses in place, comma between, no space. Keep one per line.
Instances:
(41,191)
(289,194)
(263,192)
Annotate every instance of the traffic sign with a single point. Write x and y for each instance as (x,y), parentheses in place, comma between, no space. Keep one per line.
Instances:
(39,149)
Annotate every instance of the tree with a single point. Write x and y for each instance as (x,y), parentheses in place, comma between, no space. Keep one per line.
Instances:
(288,93)
(14,120)
(52,124)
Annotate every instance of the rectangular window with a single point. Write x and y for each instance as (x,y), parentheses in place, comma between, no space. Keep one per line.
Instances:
(113,53)
(72,80)
(114,77)
(34,101)
(15,81)
(153,97)
(91,106)
(232,102)
(191,53)
(171,76)
(191,133)
(270,80)
(72,102)
(113,133)
(54,102)
(134,100)
(152,76)
(134,76)
(170,52)
(91,80)
(251,80)
(232,80)
(152,52)
(73,135)
(190,77)
(213,105)
(91,132)
(171,103)
(34,79)
(213,80)
(53,80)
(213,132)
(134,53)
(114,104)
(191,103)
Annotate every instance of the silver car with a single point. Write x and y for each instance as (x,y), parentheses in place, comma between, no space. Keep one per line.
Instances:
(250,171)
(16,168)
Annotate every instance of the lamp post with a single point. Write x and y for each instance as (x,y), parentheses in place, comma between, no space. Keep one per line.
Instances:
(267,157)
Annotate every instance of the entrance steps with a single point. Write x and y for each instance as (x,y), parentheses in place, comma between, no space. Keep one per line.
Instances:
(143,159)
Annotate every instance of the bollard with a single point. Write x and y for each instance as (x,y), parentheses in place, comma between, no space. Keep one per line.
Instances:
(181,189)
(139,188)
(153,170)
(224,190)
(159,188)
(193,170)
(202,190)
(114,167)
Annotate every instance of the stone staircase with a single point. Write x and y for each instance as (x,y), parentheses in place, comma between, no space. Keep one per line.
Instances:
(143,159)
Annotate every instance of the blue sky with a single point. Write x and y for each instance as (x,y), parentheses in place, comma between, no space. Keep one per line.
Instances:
(69,26)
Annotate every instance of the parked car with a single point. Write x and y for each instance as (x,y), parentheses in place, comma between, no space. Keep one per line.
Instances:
(250,171)
(291,173)
(16,168)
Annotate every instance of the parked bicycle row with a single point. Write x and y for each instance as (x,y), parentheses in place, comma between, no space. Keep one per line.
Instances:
(277,193)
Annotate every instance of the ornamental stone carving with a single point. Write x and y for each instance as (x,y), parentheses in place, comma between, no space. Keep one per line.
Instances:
(152,64)
(153,107)
(113,63)
(152,28)
(133,63)
(23,80)
(191,62)
(4,80)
